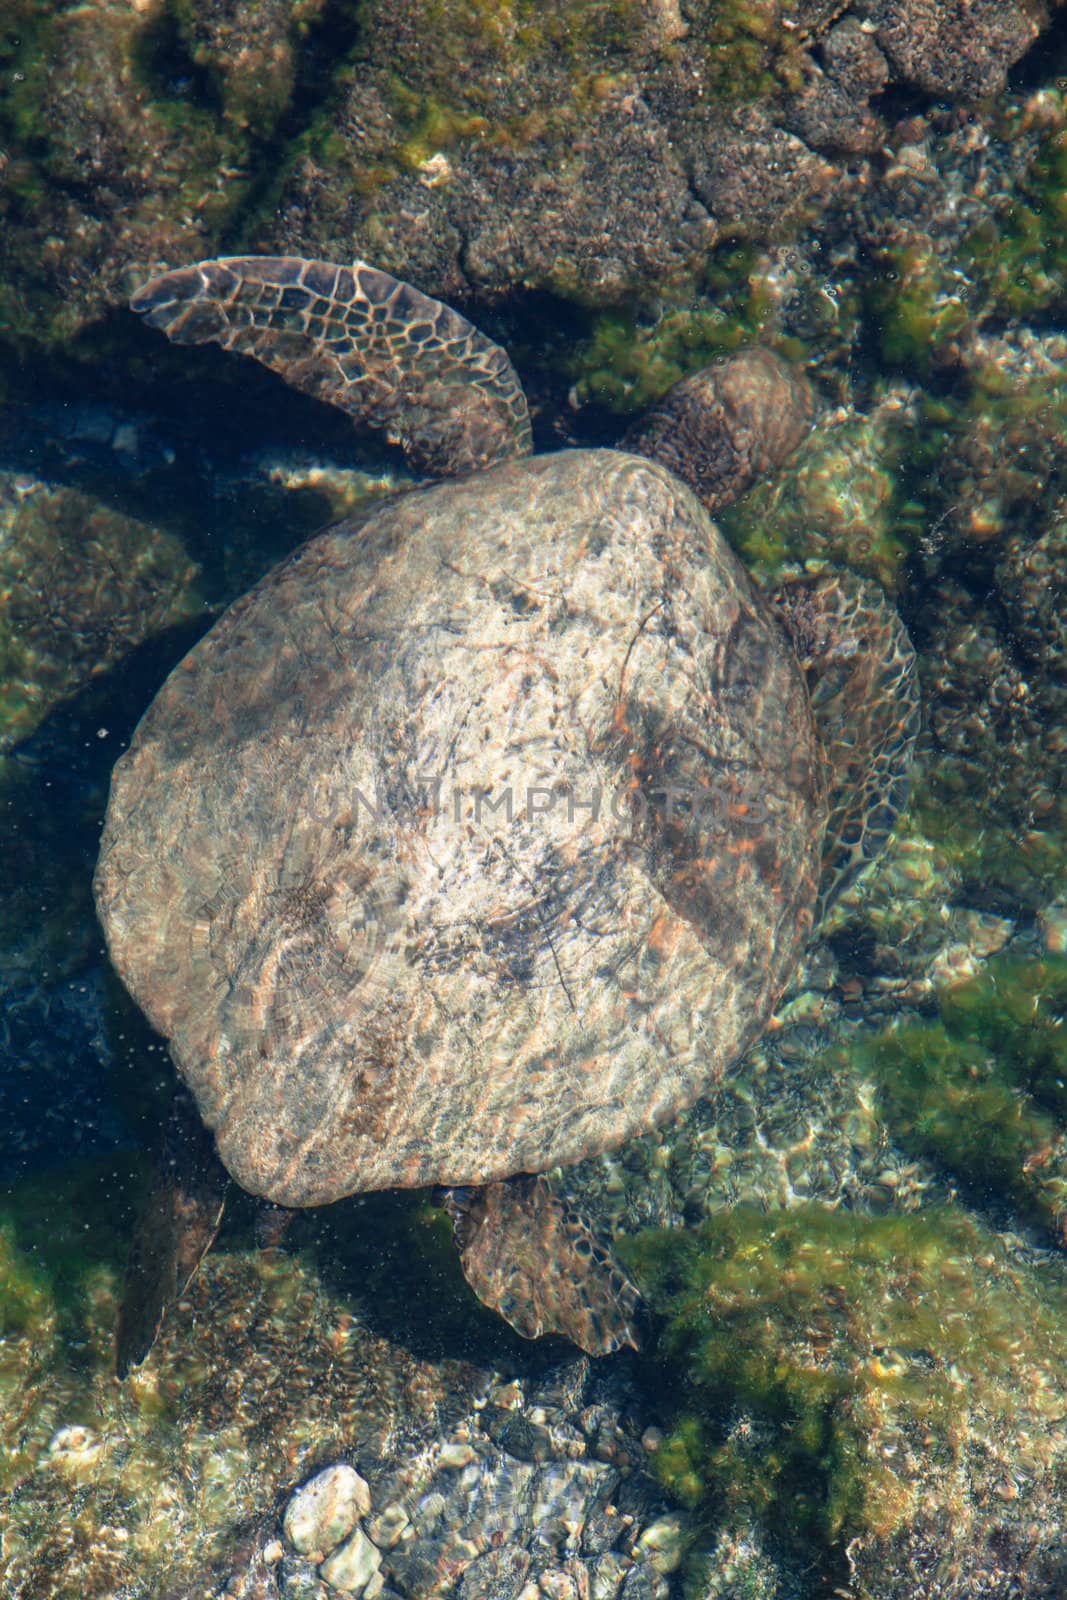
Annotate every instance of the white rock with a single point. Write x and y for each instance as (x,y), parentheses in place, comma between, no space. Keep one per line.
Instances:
(661,1544)
(76,1450)
(388,1527)
(557,1586)
(74,1439)
(354,1567)
(606,1575)
(325,1510)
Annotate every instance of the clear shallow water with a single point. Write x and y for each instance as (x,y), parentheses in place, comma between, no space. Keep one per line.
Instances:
(917,1068)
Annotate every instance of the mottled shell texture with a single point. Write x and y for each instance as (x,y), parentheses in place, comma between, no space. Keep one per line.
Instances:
(482,834)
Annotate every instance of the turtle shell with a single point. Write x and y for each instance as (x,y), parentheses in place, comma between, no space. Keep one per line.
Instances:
(483,833)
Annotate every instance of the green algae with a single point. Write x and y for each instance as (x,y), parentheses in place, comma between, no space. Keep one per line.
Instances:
(473,83)
(748,51)
(624,366)
(429,127)
(918,307)
(261,1374)
(61,1249)
(844,499)
(1016,1009)
(24,1299)
(873,491)
(948,1099)
(922,301)
(62,1230)
(990,839)
(807,1355)
(981,1090)
(982,455)
(511,34)
(1018,255)
(627,361)
(472,87)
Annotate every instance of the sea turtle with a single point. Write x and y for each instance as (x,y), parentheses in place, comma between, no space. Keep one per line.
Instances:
(487,829)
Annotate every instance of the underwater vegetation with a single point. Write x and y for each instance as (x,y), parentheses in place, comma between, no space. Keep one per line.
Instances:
(982,1089)
(828,1373)
(836,1374)
(268,1366)
(596,180)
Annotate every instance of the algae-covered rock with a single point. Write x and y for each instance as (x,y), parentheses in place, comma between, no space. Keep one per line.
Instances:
(595,150)
(1031,580)
(145,1488)
(991,797)
(837,502)
(1015,1010)
(886,1387)
(574,149)
(962,48)
(497,146)
(817,1396)
(224,1465)
(946,280)
(477,144)
(127,134)
(1003,439)
(981,1091)
(81,585)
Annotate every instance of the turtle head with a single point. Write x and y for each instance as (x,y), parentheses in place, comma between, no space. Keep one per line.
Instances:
(728,425)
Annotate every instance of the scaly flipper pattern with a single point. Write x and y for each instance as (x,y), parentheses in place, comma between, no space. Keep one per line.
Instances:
(862,681)
(361,340)
(535,1261)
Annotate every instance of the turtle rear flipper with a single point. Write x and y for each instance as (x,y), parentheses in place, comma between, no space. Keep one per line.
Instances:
(176,1228)
(532,1259)
(864,689)
(361,340)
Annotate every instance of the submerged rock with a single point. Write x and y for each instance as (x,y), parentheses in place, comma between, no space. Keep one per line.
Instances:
(354,1566)
(324,1511)
(887,1387)
(81,585)
(961,48)
(265,1376)
(596,150)
(539,1491)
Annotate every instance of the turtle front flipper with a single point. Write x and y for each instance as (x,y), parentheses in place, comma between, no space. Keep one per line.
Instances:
(863,685)
(532,1259)
(361,340)
(176,1228)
